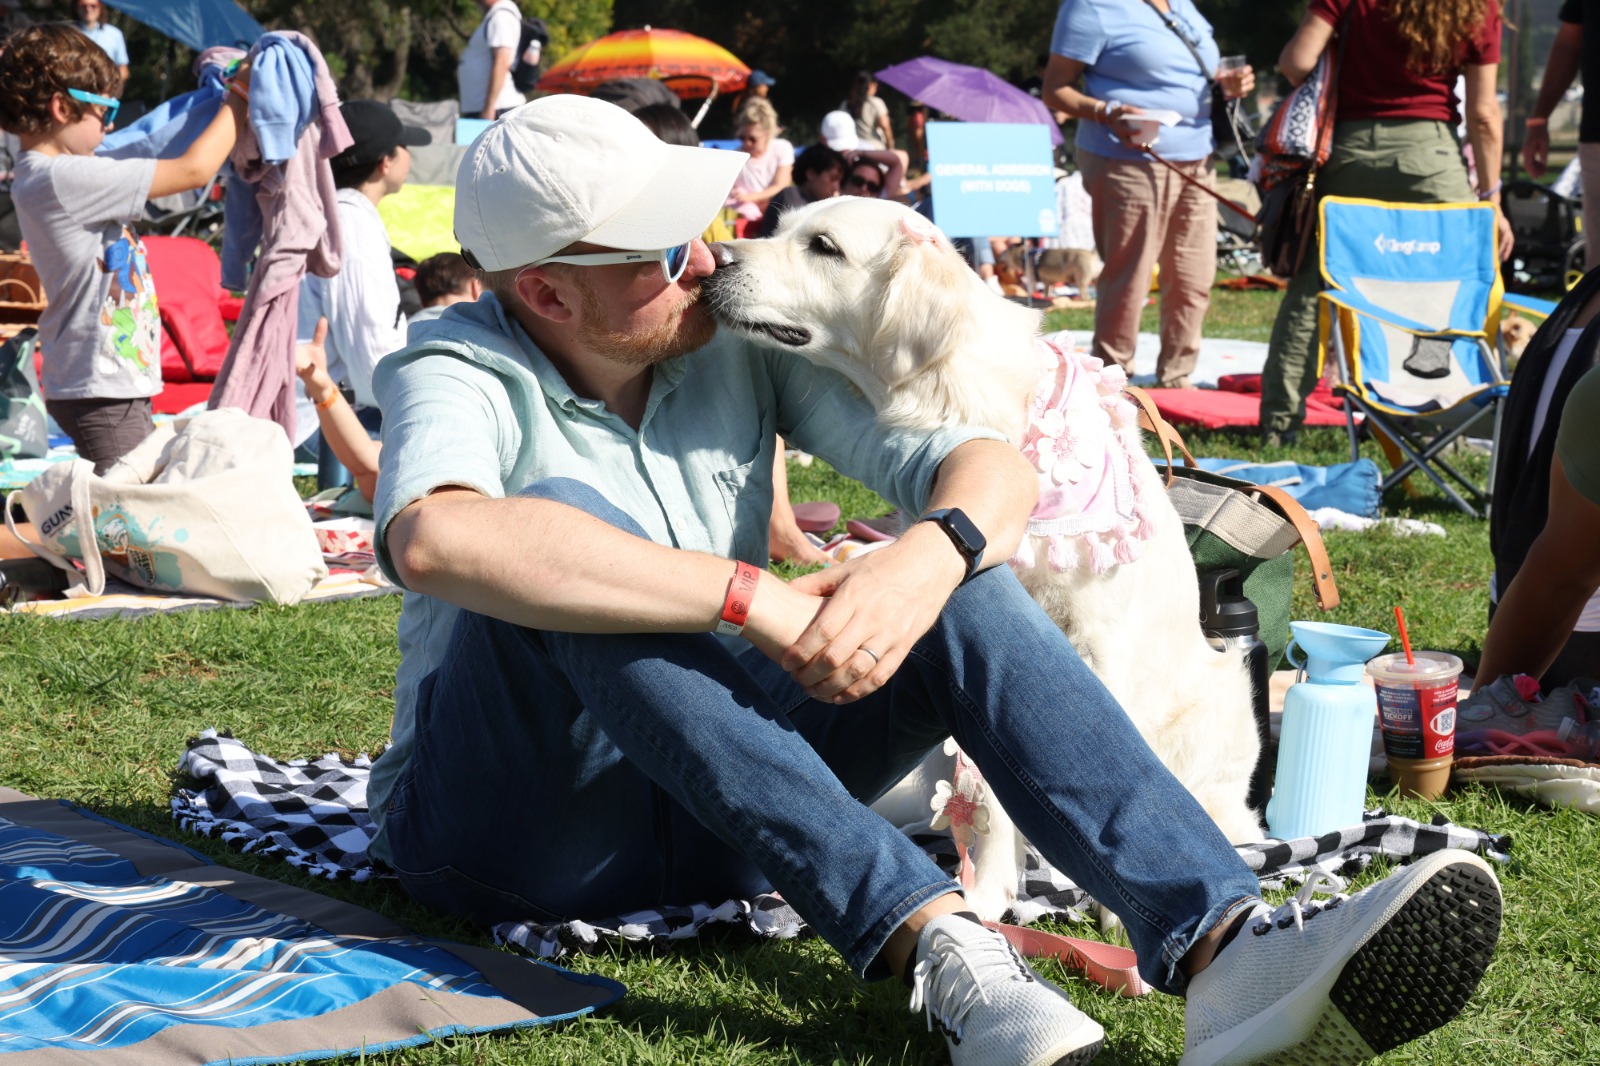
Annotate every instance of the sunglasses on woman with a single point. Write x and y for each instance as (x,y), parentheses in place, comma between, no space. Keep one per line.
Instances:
(856,181)
(110,103)
(673,260)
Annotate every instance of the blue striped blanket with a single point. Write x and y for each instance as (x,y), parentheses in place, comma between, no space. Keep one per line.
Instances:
(100,956)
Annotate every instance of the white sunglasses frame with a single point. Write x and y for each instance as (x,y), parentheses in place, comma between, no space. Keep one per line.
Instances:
(607,258)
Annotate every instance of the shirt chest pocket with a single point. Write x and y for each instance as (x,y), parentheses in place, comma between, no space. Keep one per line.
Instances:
(748,499)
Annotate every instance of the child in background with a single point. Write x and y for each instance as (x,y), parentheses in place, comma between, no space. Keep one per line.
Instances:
(442,280)
(101,334)
(342,431)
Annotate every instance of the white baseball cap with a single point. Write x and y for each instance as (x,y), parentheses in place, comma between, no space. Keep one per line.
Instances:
(564,169)
(839,131)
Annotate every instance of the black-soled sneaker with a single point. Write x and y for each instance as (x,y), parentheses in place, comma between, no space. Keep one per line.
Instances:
(990,1005)
(1331,982)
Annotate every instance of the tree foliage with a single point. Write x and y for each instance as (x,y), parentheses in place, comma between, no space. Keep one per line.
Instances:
(815,49)
(384,48)
(375,48)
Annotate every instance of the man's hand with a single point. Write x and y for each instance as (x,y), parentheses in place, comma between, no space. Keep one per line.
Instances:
(883,601)
(779,614)
(1536,150)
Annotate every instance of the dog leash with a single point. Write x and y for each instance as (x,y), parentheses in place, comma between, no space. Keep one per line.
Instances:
(1107,965)
(1214,194)
(963,813)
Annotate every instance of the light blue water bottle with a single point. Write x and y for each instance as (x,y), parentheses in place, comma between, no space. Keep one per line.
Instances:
(1321,783)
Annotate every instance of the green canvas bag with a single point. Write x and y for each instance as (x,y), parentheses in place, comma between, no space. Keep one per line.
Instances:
(23,433)
(1238,525)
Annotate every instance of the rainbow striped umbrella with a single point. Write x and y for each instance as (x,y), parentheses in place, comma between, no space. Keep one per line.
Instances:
(689,65)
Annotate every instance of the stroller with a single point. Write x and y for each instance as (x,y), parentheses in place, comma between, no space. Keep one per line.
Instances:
(1549,252)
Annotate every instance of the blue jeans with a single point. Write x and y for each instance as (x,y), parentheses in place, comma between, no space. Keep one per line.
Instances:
(579,775)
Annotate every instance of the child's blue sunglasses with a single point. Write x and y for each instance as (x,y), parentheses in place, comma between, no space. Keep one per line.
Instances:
(110,103)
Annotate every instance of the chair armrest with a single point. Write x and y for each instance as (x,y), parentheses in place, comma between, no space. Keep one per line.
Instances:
(1528,305)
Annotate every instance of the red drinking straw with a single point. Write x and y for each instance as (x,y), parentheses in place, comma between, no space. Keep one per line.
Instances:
(1405,641)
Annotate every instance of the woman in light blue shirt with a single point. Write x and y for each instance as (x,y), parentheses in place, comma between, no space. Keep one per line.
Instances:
(107,36)
(1136,58)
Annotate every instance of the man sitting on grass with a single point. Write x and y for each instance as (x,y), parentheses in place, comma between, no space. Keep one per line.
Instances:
(571,468)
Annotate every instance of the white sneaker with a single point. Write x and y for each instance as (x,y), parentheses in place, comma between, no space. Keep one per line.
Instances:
(990,1005)
(1342,980)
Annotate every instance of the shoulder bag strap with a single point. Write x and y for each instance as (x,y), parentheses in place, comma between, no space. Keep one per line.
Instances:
(1332,89)
(1194,50)
(78,584)
(1150,419)
(1327,591)
(83,516)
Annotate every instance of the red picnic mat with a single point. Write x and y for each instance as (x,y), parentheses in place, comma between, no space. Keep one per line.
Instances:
(1215,408)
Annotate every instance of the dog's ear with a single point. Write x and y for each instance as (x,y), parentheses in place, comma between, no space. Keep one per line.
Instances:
(923,318)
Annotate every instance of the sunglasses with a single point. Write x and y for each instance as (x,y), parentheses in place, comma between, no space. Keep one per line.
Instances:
(110,103)
(856,181)
(674,261)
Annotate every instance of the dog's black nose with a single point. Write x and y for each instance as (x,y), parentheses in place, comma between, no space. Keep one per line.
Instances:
(721,254)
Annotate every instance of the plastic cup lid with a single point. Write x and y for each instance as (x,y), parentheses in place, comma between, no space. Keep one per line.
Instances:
(1430,666)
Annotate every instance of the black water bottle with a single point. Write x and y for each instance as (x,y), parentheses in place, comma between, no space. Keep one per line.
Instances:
(1229,621)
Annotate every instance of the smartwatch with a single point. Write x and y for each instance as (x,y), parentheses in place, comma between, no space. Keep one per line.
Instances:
(966,536)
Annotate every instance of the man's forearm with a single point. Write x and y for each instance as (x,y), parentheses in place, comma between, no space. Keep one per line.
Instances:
(547,565)
(995,486)
(1566,52)
(499,70)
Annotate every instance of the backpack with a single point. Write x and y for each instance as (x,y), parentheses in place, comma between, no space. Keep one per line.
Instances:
(530,49)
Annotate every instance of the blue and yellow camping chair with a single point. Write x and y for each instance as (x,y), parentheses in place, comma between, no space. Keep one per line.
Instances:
(1413,303)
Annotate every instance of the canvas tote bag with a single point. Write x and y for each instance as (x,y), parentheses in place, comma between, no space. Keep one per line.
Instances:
(208,508)
(1236,525)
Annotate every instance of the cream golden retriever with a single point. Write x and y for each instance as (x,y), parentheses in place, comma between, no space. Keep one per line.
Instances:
(872,290)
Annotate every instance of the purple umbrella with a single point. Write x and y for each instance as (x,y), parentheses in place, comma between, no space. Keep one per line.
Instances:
(971,94)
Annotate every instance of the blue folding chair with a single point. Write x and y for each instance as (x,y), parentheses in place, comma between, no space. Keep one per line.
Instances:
(1412,302)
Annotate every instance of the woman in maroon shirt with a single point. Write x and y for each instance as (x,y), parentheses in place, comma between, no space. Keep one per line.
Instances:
(1394,139)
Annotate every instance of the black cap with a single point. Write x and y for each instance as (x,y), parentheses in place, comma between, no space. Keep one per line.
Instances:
(1224,610)
(375,131)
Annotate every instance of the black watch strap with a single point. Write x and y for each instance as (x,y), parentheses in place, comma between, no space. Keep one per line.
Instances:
(963,533)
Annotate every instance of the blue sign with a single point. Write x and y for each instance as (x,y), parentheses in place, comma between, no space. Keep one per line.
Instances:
(992,179)
(468,129)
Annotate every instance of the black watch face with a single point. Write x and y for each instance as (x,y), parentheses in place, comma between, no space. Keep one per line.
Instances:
(971,539)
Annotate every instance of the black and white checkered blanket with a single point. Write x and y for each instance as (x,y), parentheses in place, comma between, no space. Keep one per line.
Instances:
(313,815)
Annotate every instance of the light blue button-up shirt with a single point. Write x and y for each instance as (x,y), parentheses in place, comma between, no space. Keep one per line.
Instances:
(473,402)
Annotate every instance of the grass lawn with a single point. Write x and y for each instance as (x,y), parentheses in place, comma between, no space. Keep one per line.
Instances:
(98,712)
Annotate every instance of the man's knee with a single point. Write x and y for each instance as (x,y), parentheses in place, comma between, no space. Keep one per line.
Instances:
(586,498)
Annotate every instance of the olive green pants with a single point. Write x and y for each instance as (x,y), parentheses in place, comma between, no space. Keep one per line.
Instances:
(1399,161)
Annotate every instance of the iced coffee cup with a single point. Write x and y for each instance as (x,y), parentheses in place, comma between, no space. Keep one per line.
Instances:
(1417,711)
